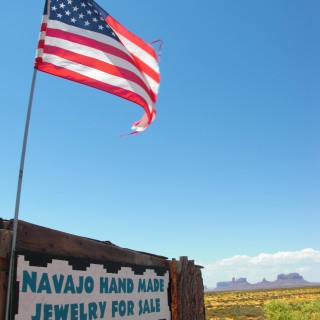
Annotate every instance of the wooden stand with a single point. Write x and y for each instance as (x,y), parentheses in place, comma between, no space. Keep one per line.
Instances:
(187,301)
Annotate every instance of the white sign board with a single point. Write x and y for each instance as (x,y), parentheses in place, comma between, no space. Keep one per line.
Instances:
(59,292)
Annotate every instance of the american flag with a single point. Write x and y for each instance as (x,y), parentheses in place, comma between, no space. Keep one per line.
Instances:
(81,42)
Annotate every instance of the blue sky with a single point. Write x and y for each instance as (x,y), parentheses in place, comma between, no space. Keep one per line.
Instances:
(231,165)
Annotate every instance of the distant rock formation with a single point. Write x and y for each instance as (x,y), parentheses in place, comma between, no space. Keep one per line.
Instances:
(290,280)
(234,283)
(290,276)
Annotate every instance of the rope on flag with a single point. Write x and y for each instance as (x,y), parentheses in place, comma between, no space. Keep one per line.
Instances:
(81,42)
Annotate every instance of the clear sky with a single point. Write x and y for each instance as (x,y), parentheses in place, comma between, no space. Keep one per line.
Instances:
(229,172)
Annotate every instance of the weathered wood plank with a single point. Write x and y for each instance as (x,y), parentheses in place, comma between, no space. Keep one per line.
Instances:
(5,247)
(5,243)
(41,239)
(174,290)
(3,293)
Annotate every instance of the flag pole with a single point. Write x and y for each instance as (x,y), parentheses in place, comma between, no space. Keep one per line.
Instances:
(16,214)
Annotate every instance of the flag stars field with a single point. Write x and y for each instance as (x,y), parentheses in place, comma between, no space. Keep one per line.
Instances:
(71,11)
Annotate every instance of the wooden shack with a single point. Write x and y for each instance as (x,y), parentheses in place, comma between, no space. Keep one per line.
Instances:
(175,292)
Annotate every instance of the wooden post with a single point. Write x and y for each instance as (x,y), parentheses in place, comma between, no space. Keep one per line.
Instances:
(174,290)
(187,292)
(5,248)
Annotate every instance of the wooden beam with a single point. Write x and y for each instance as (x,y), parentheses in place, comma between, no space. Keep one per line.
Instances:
(36,238)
